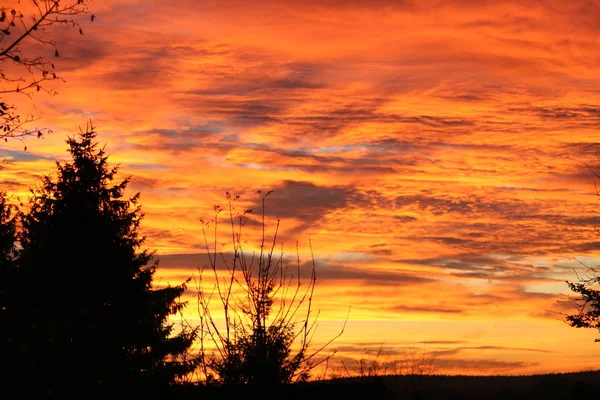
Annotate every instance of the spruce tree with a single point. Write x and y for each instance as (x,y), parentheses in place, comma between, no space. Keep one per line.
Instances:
(87,318)
(7,271)
(7,231)
(7,247)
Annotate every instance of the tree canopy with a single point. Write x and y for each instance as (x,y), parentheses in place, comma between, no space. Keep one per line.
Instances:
(85,314)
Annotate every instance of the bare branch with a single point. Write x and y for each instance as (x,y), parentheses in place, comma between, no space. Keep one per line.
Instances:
(262,337)
(16,32)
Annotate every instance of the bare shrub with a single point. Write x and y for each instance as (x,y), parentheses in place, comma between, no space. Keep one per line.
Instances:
(256,316)
(404,372)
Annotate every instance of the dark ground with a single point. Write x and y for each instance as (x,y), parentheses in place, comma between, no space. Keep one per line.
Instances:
(581,385)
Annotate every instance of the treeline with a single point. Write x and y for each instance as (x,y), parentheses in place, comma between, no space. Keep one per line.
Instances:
(81,318)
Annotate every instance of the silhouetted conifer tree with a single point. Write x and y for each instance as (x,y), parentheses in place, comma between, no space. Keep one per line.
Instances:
(7,246)
(7,271)
(86,317)
(7,231)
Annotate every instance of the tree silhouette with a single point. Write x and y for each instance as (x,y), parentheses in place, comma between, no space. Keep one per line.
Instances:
(25,72)
(8,231)
(587,301)
(85,316)
(267,307)
(7,272)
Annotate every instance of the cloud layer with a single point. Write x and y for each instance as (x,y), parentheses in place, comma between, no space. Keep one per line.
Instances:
(434,153)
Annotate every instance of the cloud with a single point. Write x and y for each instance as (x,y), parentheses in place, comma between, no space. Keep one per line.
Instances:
(471,205)
(443,342)
(456,350)
(80,51)
(305,201)
(142,183)
(326,271)
(14,155)
(478,366)
(426,309)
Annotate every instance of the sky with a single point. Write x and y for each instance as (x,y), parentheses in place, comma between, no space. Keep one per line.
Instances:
(435,154)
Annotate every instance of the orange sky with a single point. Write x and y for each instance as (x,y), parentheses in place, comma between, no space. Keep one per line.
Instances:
(433,152)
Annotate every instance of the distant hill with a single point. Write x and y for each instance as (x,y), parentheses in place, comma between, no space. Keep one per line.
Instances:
(577,385)
(568,386)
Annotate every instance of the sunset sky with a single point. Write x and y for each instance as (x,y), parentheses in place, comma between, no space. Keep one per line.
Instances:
(434,153)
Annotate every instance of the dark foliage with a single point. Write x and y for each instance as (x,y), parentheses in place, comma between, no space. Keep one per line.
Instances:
(7,270)
(8,235)
(587,302)
(84,316)
(8,232)
(259,357)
